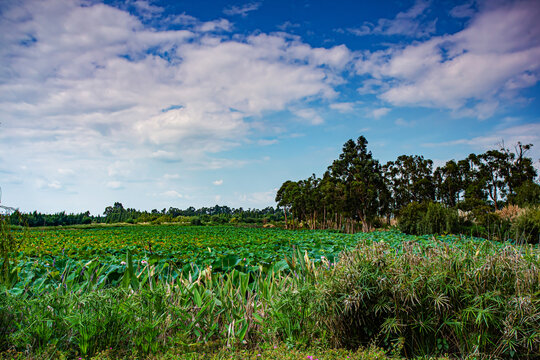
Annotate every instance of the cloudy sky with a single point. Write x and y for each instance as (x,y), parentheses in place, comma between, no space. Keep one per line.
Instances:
(196,103)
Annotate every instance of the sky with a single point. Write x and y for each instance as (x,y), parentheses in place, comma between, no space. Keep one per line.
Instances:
(196,103)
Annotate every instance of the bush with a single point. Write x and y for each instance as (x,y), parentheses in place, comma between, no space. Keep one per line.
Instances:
(195,220)
(439,220)
(428,218)
(410,216)
(476,298)
(526,227)
(163,219)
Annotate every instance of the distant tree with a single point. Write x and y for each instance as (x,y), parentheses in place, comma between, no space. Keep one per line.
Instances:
(361,175)
(521,167)
(449,183)
(409,179)
(286,197)
(527,193)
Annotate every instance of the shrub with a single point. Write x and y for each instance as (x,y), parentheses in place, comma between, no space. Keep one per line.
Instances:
(195,220)
(526,227)
(410,216)
(428,218)
(439,220)
(475,298)
(509,212)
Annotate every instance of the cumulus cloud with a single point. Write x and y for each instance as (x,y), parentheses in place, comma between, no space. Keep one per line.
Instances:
(343,107)
(408,23)
(497,54)
(380,112)
(82,83)
(218,182)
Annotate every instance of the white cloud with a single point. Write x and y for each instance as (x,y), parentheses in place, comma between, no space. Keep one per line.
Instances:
(309,115)
(482,65)
(216,25)
(261,198)
(380,112)
(218,182)
(408,23)
(84,80)
(44,184)
(526,134)
(241,10)
(146,9)
(343,107)
(66,171)
(120,168)
(463,11)
(54,185)
(287,26)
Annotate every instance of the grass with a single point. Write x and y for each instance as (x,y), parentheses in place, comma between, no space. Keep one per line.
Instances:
(391,296)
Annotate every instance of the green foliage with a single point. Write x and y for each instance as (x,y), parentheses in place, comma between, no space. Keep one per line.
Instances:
(526,228)
(366,194)
(526,194)
(9,243)
(416,294)
(411,216)
(475,298)
(356,190)
(410,178)
(439,220)
(428,218)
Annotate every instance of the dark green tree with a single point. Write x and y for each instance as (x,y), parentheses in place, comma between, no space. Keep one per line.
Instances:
(363,181)
(449,183)
(287,197)
(409,178)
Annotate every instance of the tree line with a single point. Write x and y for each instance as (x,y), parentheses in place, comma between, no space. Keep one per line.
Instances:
(357,191)
(117,213)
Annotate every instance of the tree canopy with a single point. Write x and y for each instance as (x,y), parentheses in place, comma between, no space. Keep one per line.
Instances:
(356,190)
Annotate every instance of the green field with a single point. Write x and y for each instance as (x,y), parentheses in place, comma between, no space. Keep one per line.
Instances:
(175,250)
(180,292)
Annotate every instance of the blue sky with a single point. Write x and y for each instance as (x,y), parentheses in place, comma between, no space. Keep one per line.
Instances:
(196,103)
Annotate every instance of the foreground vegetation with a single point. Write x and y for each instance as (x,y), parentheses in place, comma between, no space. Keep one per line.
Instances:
(388,294)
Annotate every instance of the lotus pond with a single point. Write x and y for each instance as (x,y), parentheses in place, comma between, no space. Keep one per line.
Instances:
(47,256)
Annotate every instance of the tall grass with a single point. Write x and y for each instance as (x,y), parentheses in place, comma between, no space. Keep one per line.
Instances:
(468,299)
(224,310)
